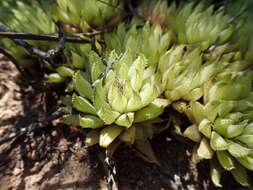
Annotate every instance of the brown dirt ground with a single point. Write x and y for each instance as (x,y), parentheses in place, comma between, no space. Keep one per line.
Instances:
(55,158)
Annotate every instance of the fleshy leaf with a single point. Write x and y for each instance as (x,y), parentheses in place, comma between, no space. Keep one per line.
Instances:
(193,133)
(225,160)
(82,86)
(205,151)
(83,105)
(217,142)
(125,120)
(237,150)
(109,134)
(90,121)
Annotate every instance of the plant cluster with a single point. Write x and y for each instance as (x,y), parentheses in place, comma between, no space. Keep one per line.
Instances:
(189,57)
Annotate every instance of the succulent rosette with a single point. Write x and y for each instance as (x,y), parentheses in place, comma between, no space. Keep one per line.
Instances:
(184,71)
(85,15)
(200,25)
(127,94)
(139,40)
(223,124)
(191,23)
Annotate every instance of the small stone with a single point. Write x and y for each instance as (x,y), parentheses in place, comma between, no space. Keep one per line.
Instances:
(55,133)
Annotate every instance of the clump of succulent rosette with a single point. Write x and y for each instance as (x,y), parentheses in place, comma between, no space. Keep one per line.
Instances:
(187,57)
(184,71)
(223,124)
(191,23)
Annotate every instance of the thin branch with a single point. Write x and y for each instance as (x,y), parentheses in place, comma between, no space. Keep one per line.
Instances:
(42,37)
(244,10)
(52,56)
(89,34)
(62,37)
(230,21)
(31,49)
(215,45)
(108,67)
(57,56)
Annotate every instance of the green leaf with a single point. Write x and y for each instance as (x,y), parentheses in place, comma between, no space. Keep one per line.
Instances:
(230,131)
(116,98)
(240,175)
(78,61)
(205,127)
(83,105)
(55,78)
(151,111)
(105,111)
(71,120)
(205,151)
(193,133)
(194,94)
(215,172)
(237,150)
(211,111)
(125,120)
(198,111)
(65,71)
(218,142)
(225,160)
(82,86)
(246,161)
(90,121)
(66,100)
(97,66)
(129,135)
(247,139)
(109,134)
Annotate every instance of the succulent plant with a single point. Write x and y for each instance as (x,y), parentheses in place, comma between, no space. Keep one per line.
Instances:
(184,72)
(188,57)
(138,40)
(223,123)
(200,25)
(85,15)
(128,93)
(195,23)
